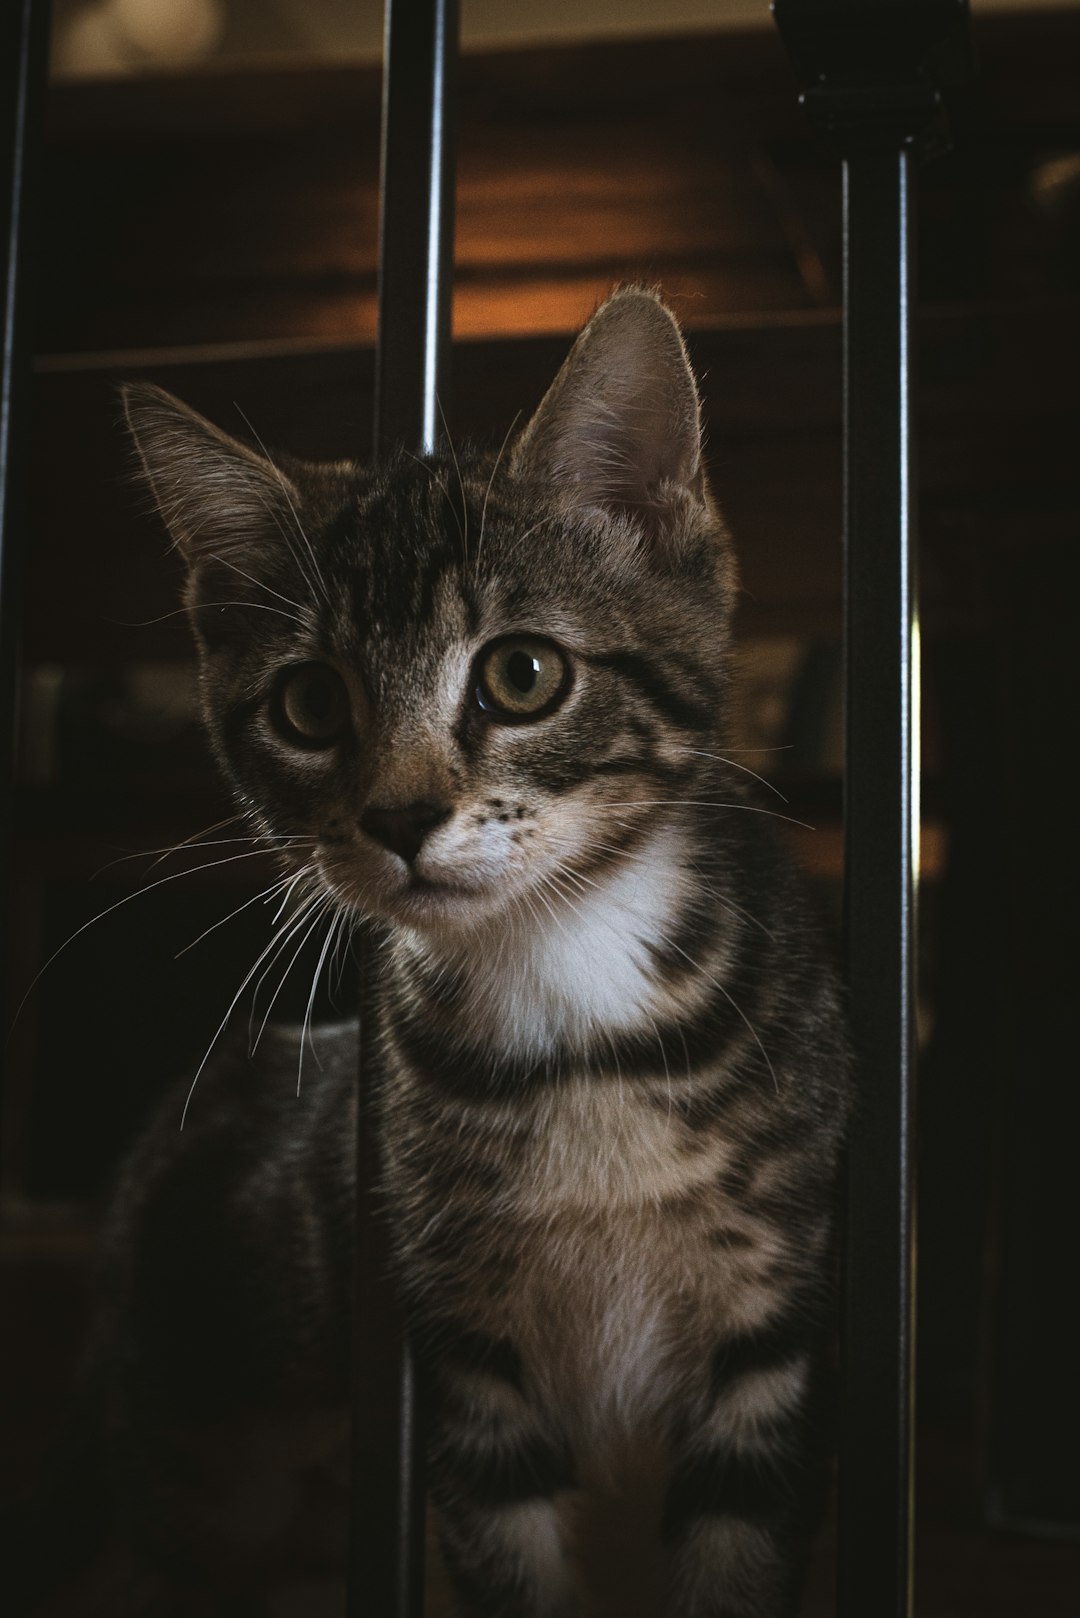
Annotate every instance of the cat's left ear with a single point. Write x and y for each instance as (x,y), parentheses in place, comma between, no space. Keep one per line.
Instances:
(620,427)
(215,494)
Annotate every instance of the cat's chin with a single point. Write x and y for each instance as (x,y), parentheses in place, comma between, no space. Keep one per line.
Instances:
(428,904)
(424,889)
(409,898)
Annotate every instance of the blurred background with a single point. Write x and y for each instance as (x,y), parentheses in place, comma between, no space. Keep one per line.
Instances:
(208,221)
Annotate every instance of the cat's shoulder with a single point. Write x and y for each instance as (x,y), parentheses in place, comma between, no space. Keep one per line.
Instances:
(250,1106)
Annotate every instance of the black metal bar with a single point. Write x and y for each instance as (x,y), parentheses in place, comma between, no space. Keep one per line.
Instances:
(880,818)
(415,266)
(874,75)
(24,26)
(417,222)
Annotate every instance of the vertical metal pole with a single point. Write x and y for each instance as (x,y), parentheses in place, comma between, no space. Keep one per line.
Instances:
(23,54)
(416,242)
(880,832)
(415,265)
(875,75)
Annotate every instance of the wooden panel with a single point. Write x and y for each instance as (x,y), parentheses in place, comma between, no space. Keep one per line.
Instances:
(249,210)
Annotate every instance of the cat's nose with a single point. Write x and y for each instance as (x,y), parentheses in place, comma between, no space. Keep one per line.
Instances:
(402,828)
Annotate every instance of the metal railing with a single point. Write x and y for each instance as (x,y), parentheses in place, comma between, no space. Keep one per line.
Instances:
(24,26)
(416,234)
(875,73)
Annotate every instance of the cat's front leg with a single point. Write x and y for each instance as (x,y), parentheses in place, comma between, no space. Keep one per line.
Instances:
(738,1502)
(494,1478)
(507,1561)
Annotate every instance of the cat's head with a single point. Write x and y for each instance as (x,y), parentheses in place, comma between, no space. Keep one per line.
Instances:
(459,684)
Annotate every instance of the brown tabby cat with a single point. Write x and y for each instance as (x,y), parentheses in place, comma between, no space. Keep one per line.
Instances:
(484,704)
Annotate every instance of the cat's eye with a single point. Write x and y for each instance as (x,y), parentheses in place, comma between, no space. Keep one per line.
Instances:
(311,705)
(521,677)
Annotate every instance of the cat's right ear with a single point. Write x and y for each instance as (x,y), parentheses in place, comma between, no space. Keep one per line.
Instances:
(214,494)
(619,429)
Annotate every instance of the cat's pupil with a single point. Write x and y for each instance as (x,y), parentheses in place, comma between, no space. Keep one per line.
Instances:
(523,671)
(317,699)
(521,678)
(312,705)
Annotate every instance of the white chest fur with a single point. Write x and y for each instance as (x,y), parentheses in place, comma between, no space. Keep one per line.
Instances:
(568,967)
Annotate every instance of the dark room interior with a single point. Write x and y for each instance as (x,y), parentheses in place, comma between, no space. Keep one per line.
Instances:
(210,225)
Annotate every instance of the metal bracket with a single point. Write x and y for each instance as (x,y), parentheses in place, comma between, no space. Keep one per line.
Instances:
(879,70)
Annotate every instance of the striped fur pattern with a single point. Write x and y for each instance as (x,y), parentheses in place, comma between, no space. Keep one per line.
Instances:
(613,1075)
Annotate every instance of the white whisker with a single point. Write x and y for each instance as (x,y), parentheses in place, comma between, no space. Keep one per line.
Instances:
(275,887)
(461,483)
(258,583)
(305,870)
(341,952)
(702,803)
(311,910)
(487,493)
(734,1006)
(305,1031)
(643,859)
(221,1029)
(709,978)
(174,848)
(440,485)
(146,623)
(284,486)
(174,876)
(719,758)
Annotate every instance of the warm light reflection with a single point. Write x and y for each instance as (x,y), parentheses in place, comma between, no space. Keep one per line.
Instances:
(121,36)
